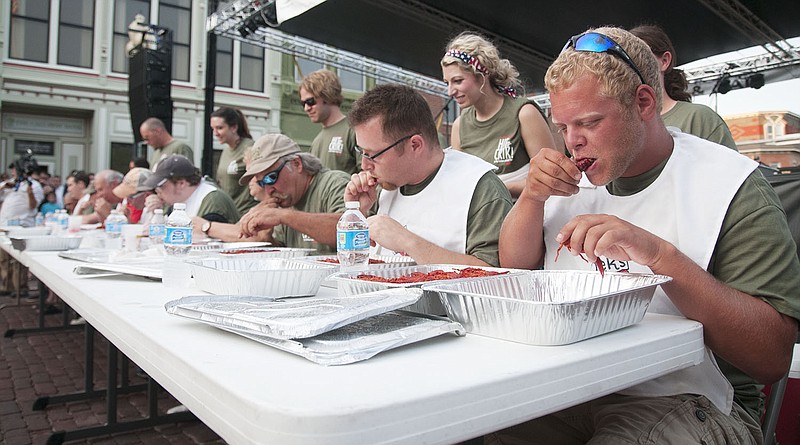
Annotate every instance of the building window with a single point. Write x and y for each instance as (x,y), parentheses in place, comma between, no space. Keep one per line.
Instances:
(29,30)
(304,67)
(251,67)
(224,72)
(351,80)
(174,15)
(75,33)
(769,131)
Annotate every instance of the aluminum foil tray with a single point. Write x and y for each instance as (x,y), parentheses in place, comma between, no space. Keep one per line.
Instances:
(363,339)
(19,231)
(151,267)
(548,307)
(389,261)
(88,255)
(213,245)
(291,317)
(273,277)
(45,242)
(430,303)
(264,252)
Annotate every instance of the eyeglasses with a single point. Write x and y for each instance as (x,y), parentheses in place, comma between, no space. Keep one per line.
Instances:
(594,42)
(373,157)
(272,177)
(311,101)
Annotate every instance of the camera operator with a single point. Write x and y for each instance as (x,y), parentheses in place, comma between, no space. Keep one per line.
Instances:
(24,194)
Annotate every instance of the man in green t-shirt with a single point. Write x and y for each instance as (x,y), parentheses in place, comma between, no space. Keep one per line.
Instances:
(155,134)
(308,197)
(321,98)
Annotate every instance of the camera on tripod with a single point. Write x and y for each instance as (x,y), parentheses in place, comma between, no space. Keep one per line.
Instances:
(25,166)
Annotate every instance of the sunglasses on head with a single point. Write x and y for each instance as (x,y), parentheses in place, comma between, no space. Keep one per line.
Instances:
(595,42)
(271,177)
(311,101)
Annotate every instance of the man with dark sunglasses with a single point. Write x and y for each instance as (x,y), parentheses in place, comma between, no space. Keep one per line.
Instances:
(437,206)
(308,198)
(647,199)
(321,99)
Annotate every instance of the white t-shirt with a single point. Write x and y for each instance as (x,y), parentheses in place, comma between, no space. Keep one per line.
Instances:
(15,206)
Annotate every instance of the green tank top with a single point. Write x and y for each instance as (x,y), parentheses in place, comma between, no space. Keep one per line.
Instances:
(497,140)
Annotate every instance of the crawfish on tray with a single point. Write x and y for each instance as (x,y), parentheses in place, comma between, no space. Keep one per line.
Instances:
(597,262)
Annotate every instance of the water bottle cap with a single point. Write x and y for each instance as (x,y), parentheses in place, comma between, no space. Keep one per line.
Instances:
(179,206)
(159,211)
(352,204)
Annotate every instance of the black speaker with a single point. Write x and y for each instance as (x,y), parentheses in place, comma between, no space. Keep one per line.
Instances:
(150,88)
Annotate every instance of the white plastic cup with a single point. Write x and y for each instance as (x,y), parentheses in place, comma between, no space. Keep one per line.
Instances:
(74,224)
(130,236)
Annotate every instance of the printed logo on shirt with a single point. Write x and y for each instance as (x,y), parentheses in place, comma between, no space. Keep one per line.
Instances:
(615,265)
(233,168)
(307,239)
(505,152)
(336,146)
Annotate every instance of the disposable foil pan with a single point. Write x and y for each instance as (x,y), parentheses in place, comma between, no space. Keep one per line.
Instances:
(273,277)
(18,231)
(548,307)
(151,267)
(349,284)
(264,252)
(363,339)
(290,317)
(45,242)
(389,261)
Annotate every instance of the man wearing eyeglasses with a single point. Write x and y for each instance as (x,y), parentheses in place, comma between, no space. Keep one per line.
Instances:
(437,206)
(321,99)
(176,179)
(654,200)
(309,197)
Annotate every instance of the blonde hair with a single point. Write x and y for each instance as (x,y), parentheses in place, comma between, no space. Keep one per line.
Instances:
(500,72)
(618,80)
(325,85)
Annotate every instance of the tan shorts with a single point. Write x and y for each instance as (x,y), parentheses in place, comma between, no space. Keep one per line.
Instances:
(617,419)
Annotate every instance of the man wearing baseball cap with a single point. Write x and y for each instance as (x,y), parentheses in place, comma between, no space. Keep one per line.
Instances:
(309,198)
(133,192)
(176,179)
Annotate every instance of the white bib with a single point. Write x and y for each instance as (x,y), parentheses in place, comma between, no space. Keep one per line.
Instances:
(685,205)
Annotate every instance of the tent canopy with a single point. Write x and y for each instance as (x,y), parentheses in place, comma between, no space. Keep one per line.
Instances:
(413,33)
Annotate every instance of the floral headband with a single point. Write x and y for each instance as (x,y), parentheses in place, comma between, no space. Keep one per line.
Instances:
(472,60)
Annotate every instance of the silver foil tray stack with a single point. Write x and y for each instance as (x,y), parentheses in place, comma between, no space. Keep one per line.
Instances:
(148,267)
(329,331)
(548,307)
(389,261)
(45,242)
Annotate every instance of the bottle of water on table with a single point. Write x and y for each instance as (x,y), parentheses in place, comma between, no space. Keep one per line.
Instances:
(177,244)
(113,223)
(352,238)
(156,227)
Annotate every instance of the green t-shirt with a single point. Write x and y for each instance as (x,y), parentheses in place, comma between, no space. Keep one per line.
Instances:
(230,168)
(220,204)
(758,262)
(497,140)
(335,147)
(701,121)
(489,206)
(173,148)
(325,194)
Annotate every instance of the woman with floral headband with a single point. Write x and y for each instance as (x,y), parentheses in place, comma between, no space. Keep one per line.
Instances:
(497,123)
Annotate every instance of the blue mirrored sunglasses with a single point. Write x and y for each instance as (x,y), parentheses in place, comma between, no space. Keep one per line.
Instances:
(595,42)
(271,177)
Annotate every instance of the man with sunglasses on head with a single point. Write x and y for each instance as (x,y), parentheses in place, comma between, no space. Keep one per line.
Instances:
(654,200)
(437,206)
(309,197)
(176,179)
(321,99)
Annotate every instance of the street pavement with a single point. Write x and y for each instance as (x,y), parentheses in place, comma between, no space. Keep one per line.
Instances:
(46,364)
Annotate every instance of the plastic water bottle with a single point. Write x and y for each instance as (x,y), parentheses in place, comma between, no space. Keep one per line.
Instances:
(177,243)
(62,221)
(156,228)
(352,238)
(114,223)
(39,221)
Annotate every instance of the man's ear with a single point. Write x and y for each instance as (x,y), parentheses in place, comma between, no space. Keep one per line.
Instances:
(664,61)
(646,102)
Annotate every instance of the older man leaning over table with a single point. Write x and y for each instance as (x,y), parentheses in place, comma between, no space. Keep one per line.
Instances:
(308,197)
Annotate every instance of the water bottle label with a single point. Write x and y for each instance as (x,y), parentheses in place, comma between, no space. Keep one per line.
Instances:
(181,236)
(113,227)
(352,239)
(156,230)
